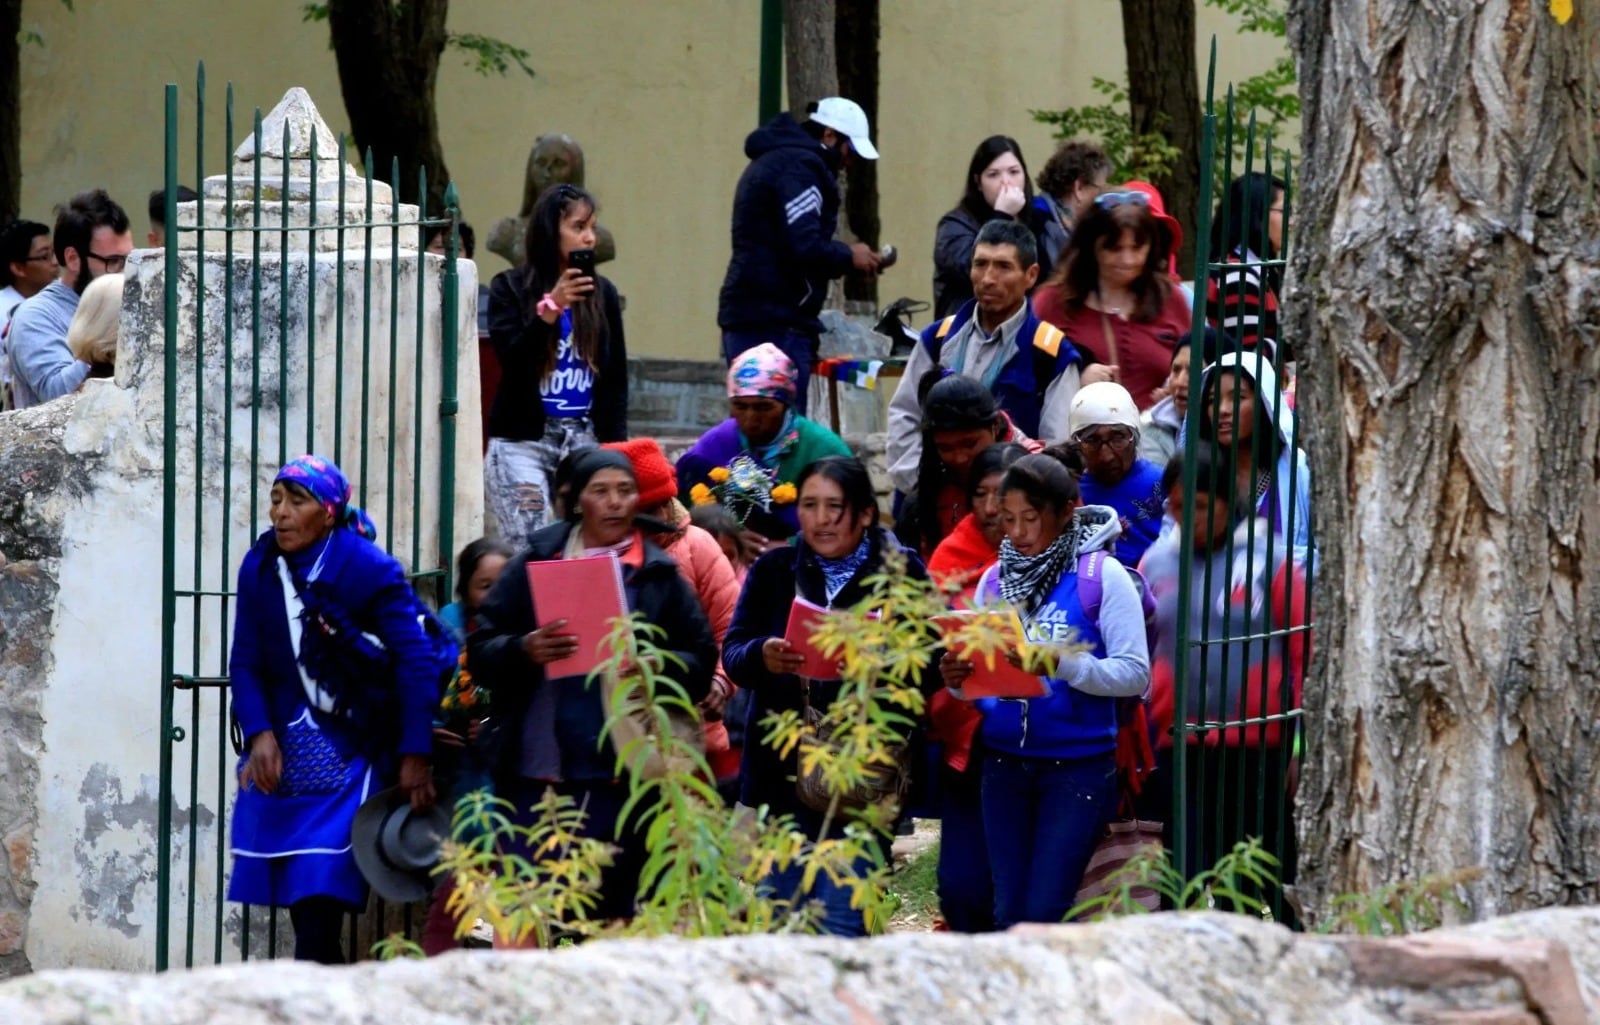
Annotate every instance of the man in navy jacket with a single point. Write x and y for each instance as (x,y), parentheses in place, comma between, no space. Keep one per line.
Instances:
(785,212)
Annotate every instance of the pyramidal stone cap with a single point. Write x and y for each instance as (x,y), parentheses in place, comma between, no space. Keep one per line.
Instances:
(299,113)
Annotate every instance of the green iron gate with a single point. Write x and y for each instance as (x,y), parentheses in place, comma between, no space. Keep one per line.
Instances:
(297,304)
(1237,674)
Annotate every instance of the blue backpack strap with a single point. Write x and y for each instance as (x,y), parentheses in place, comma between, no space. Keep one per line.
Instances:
(935,341)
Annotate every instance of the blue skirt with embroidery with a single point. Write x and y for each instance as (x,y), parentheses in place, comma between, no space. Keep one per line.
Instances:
(294,843)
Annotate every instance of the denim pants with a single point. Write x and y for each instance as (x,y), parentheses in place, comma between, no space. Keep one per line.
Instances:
(838,917)
(1043,818)
(798,346)
(966,883)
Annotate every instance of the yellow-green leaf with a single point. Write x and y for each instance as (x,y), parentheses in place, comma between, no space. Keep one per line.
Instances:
(1562,10)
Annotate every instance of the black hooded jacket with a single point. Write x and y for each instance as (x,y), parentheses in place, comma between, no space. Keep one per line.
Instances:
(496,658)
(785,211)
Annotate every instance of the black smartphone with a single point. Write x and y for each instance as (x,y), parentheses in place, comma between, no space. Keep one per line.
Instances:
(582,261)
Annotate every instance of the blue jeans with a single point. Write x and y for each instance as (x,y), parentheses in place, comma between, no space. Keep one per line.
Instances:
(966,884)
(798,346)
(1043,818)
(838,917)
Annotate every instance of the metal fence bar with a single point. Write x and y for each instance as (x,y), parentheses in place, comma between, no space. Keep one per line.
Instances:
(1233,759)
(204,682)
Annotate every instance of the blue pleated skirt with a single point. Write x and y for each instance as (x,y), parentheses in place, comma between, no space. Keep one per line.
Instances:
(294,843)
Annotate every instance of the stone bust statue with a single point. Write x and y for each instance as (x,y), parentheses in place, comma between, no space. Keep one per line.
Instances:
(555,160)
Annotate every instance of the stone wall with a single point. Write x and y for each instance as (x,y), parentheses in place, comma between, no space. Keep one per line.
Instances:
(81,539)
(1532,969)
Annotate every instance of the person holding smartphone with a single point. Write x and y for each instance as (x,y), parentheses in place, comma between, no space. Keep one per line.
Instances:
(556,327)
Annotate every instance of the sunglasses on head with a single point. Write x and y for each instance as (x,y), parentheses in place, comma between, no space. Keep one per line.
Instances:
(1112,200)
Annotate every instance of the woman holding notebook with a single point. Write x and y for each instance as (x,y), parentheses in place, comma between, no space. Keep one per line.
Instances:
(550,719)
(1049,778)
(840,546)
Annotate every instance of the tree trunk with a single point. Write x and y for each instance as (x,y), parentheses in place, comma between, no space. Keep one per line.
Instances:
(1164,96)
(856,38)
(810,57)
(1445,296)
(10,111)
(812,65)
(388,55)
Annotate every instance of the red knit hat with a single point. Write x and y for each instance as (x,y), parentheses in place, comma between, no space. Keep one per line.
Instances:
(658,481)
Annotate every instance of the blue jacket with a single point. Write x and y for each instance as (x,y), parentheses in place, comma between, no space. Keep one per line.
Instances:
(785,211)
(370,585)
(765,777)
(1139,504)
(1043,352)
(1077,718)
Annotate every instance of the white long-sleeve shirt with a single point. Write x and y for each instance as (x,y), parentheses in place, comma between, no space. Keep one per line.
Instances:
(980,352)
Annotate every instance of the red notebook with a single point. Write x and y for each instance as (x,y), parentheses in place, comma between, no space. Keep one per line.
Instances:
(992,675)
(588,594)
(804,617)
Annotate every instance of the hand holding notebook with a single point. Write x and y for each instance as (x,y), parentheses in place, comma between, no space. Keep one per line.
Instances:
(994,675)
(579,598)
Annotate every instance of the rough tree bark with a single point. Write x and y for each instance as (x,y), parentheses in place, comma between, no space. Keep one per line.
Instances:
(10,111)
(811,63)
(856,31)
(388,55)
(1446,297)
(1164,86)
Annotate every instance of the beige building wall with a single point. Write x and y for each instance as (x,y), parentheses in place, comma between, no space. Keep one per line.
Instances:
(661,94)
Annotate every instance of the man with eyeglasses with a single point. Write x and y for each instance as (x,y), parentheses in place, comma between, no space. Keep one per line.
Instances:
(27,265)
(91,238)
(1103,425)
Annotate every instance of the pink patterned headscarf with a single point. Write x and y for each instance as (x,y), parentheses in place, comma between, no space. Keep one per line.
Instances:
(764,372)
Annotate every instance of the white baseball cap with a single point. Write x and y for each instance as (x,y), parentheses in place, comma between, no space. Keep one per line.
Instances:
(1101,403)
(847,118)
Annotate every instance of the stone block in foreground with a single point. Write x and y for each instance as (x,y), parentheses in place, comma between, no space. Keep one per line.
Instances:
(1156,970)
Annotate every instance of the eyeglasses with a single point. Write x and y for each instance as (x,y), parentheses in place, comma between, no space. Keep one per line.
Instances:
(1112,200)
(113,263)
(1117,441)
(48,256)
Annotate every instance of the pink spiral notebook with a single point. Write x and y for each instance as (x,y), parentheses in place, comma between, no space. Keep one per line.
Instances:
(588,594)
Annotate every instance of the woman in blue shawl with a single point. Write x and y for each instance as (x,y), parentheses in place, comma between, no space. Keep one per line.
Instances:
(332,684)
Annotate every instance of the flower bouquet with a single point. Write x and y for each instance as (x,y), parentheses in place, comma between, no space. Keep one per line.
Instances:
(463,697)
(743,486)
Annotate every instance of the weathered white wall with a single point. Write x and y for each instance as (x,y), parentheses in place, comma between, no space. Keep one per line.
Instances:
(94,854)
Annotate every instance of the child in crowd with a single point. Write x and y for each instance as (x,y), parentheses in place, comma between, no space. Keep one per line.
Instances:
(460,769)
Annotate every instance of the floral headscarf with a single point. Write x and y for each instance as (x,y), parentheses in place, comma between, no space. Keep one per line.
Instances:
(327,484)
(765,372)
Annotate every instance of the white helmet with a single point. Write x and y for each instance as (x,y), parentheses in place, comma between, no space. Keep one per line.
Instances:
(1102,403)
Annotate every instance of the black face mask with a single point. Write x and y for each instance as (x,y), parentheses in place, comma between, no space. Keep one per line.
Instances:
(834,156)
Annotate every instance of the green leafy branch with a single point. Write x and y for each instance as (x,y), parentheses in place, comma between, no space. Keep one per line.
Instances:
(1237,882)
(485,55)
(1400,908)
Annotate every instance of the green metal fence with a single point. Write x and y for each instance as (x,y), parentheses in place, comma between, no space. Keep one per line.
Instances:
(267,357)
(1243,618)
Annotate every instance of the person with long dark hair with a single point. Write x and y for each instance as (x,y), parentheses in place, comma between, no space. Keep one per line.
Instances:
(839,548)
(1049,763)
(1114,295)
(1242,299)
(959,420)
(1245,415)
(997,188)
(564,364)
